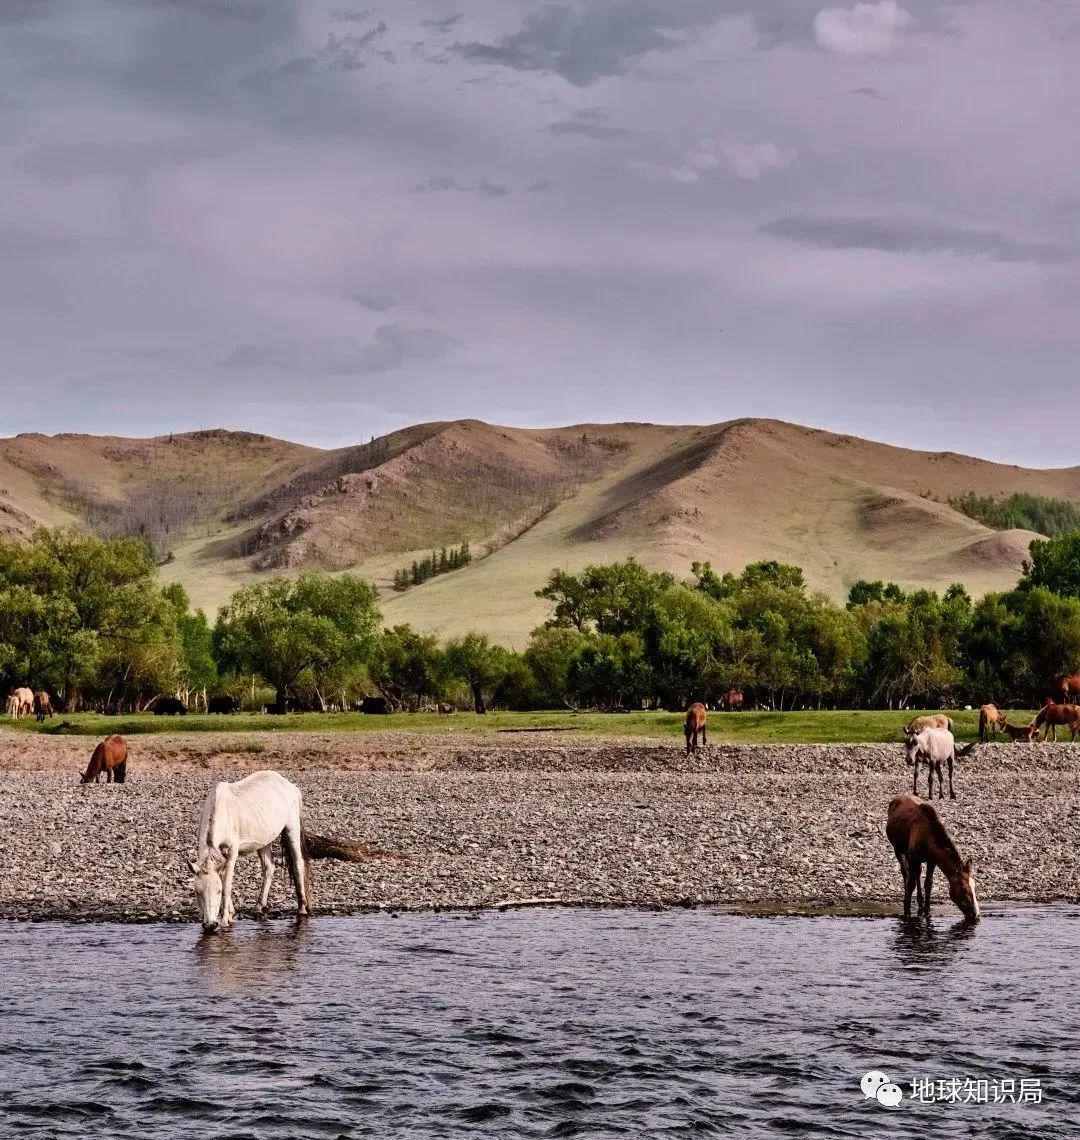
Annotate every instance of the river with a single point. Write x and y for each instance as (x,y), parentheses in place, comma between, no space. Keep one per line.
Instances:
(542,1023)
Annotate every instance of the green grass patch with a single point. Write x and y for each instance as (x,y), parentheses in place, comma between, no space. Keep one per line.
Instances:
(826,727)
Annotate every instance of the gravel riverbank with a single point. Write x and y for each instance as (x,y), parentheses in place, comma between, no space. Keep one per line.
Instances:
(483,822)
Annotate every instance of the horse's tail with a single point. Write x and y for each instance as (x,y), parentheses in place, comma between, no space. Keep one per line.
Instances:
(346,850)
(966,749)
(120,772)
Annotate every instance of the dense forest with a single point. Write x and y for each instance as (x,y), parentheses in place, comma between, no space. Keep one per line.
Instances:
(1024,512)
(87,619)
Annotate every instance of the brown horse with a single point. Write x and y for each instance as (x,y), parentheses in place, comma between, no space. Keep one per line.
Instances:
(733,699)
(42,705)
(694,726)
(1051,715)
(991,720)
(1019,732)
(110,758)
(918,837)
(930,720)
(1067,686)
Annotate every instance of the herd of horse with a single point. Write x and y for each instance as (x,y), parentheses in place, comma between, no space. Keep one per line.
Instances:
(25,702)
(250,815)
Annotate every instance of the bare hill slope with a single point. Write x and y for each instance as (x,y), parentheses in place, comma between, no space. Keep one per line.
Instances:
(231,507)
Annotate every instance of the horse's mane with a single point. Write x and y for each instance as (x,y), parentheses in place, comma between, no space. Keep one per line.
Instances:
(937,828)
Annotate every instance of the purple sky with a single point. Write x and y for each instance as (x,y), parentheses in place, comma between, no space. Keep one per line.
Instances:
(324,221)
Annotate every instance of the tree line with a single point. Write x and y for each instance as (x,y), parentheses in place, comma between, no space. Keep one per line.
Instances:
(87,619)
(437,562)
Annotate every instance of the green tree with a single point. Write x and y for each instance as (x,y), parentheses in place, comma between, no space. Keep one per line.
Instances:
(315,630)
(407,666)
(481,665)
(1054,565)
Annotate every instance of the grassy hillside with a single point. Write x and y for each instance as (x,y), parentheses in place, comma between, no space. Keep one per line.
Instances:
(230,507)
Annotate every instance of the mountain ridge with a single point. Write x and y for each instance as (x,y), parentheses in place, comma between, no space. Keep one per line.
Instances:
(231,506)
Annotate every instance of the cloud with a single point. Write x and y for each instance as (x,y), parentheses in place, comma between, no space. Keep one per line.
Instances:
(902,236)
(866,29)
(445,184)
(599,40)
(392,346)
(587,129)
(750,161)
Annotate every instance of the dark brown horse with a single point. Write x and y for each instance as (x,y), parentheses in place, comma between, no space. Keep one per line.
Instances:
(42,705)
(1051,715)
(694,726)
(110,758)
(919,837)
(732,700)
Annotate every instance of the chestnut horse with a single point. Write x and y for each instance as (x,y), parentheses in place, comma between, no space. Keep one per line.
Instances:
(110,758)
(1019,732)
(1051,715)
(733,699)
(1067,686)
(930,720)
(694,726)
(918,837)
(991,721)
(42,705)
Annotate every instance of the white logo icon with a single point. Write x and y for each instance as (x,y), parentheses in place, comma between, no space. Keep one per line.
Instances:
(877,1086)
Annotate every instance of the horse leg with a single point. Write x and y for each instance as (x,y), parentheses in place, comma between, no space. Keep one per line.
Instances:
(911,883)
(296,862)
(228,913)
(915,784)
(704,738)
(952,793)
(928,887)
(266,857)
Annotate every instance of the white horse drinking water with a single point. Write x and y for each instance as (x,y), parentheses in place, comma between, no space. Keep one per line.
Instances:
(248,816)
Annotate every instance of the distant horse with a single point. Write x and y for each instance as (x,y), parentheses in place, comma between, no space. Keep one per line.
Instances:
(248,816)
(918,837)
(1067,686)
(732,700)
(991,721)
(42,705)
(445,709)
(1020,732)
(110,757)
(20,703)
(930,720)
(931,747)
(1051,715)
(694,726)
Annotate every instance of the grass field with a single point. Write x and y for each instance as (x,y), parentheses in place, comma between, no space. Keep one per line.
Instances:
(828,727)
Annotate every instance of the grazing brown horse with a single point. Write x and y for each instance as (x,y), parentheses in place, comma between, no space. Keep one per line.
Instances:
(42,705)
(733,699)
(930,720)
(918,837)
(991,721)
(1051,715)
(1026,732)
(694,726)
(110,758)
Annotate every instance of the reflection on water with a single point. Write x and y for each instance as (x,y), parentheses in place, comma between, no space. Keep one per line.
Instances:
(537,1024)
(250,955)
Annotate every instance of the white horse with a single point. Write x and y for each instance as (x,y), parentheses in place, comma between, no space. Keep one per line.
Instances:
(236,820)
(20,703)
(931,747)
(248,816)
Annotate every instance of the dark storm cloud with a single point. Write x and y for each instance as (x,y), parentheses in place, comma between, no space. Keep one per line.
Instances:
(900,236)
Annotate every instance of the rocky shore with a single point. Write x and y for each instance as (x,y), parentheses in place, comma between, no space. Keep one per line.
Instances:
(512,820)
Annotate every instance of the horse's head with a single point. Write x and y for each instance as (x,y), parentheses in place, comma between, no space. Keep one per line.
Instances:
(209,888)
(911,746)
(962,891)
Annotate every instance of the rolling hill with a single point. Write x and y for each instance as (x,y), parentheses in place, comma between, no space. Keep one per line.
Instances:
(227,507)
